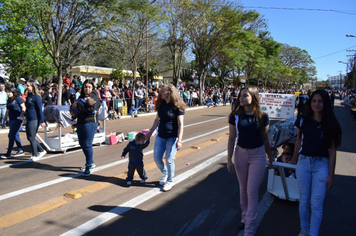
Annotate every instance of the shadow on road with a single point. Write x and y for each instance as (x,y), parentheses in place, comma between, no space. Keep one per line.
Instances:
(211,207)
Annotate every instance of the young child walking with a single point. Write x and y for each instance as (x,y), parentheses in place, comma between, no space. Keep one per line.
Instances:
(134,148)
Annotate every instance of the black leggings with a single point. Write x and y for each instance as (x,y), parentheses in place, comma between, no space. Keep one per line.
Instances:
(31,131)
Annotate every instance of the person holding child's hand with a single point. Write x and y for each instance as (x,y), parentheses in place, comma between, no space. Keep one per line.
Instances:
(169,120)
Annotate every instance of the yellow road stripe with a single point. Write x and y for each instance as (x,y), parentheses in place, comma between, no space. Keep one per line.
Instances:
(31,212)
(41,208)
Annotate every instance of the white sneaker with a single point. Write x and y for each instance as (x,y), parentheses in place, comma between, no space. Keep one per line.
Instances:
(163,180)
(92,166)
(41,154)
(142,181)
(168,186)
(33,158)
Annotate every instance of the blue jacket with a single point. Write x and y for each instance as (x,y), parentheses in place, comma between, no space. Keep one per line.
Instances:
(34,108)
(135,151)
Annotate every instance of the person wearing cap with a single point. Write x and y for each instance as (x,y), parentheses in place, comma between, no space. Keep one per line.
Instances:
(22,86)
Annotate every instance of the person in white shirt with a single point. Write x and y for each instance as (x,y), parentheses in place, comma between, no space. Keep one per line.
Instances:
(110,83)
(3,100)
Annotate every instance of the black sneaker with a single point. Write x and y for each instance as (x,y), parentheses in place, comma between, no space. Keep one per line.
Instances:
(5,156)
(49,131)
(87,171)
(19,153)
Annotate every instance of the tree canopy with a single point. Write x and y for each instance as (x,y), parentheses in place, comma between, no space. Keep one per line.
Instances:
(222,38)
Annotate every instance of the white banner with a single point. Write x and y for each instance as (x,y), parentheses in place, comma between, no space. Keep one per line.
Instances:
(278,105)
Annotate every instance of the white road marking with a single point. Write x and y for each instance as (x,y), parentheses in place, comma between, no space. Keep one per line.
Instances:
(263,207)
(79,150)
(223,221)
(206,121)
(69,177)
(197,221)
(115,212)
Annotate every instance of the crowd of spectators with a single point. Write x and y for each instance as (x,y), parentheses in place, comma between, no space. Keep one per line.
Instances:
(134,96)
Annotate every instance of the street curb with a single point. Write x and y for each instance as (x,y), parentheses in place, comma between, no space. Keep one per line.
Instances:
(6,131)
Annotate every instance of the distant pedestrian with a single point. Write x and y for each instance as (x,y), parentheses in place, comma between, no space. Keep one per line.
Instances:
(248,128)
(15,110)
(3,101)
(302,101)
(34,119)
(319,133)
(22,85)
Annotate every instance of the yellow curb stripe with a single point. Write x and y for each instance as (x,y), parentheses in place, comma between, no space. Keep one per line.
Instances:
(31,212)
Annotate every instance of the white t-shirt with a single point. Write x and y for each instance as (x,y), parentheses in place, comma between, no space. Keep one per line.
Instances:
(110,83)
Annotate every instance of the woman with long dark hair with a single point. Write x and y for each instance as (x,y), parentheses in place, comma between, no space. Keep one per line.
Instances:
(34,119)
(87,123)
(248,128)
(319,133)
(15,109)
(169,120)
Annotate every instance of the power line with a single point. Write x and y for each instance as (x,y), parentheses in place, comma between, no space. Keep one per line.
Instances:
(304,9)
(334,53)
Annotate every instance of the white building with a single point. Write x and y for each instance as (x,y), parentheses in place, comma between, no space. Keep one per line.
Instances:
(336,81)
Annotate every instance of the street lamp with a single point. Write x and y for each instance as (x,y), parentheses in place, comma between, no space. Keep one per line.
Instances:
(350,35)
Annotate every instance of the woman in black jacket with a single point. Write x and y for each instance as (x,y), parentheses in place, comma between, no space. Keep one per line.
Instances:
(87,124)
(15,109)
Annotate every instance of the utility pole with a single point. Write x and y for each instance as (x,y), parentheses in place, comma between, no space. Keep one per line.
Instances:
(340,77)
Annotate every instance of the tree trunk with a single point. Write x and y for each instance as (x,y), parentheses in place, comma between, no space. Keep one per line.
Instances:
(134,68)
(201,86)
(60,82)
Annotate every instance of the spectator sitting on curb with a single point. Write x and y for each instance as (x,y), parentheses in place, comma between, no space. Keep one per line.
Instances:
(133,111)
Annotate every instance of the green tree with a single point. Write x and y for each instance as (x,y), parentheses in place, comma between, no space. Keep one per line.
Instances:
(117,74)
(62,25)
(21,50)
(175,26)
(127,36)
(234,54)
(299,62)
(218,24)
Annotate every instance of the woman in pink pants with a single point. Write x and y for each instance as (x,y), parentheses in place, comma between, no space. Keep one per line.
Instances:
(248,131)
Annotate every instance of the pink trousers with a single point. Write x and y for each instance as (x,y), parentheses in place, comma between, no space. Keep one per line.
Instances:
(250,165)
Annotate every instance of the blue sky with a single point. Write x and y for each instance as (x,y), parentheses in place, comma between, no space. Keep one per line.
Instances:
(320,33)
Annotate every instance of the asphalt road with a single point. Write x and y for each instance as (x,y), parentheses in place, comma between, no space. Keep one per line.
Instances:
(35,198)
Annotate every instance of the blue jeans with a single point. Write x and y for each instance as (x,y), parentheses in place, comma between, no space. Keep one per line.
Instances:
(31,131)
(311,175)
(2,113)
(86,134)
(167,145)
(138,102)
(14,136)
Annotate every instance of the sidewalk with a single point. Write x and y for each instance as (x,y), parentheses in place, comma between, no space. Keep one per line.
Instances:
(53,125)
